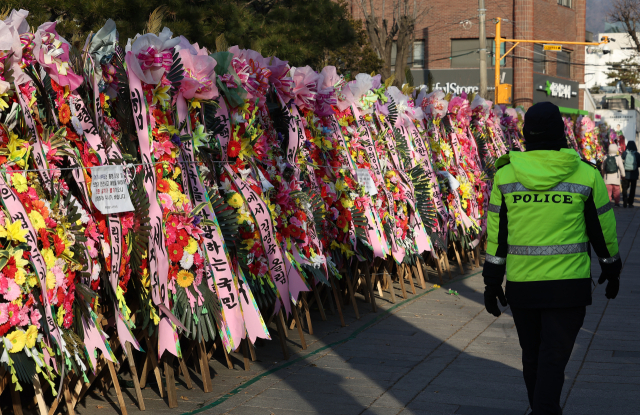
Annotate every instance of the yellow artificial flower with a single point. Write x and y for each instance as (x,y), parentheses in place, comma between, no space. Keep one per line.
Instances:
(19,182)
(176,172)
(33,281)
(173,186)
(192,247)
(175,196)
(246,149)
(61,313)
(340,185)
(51,280)
(49,257)
(195,103)
(36,220)
(465,190)
(32,336)
(19,277)
(164,128)
(184,278)
(13,231)
(235,201)
(243,216)
(160,94)
(18,339)
(16,147)
(346,203)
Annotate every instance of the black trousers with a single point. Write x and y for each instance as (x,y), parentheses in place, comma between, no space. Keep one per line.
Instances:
(631,185)
(546,337)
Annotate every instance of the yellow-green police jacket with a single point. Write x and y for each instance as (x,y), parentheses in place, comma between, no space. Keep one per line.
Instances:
(547,210)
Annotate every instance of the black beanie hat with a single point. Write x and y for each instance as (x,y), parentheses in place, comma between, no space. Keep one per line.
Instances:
(544,128)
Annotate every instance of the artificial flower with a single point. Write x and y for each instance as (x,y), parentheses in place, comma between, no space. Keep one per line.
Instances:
(13,231)
(184,278)
(235,201)
(18,339)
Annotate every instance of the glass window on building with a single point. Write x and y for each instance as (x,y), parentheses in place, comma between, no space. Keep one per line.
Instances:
(411,57)
(539,59)
(418,54)
(563,64)
(565,3)
(465,53)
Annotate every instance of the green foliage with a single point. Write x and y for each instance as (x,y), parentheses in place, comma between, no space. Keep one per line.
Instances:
(299,31)
(627,72)
(356,57)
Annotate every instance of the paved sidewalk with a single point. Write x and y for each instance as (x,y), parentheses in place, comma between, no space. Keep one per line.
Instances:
(434,353)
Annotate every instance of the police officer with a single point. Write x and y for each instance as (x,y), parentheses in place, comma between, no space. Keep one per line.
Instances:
(548,210)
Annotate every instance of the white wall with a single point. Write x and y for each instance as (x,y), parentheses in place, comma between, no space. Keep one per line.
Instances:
(597,62)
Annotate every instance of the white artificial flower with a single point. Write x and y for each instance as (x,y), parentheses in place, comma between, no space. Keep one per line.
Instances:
(226,186)
(76,125)
(96,272)
(187,260)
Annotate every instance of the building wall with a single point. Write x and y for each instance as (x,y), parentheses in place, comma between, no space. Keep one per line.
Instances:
(527,19)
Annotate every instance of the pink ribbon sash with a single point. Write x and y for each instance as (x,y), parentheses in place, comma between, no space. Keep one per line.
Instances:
(158,258)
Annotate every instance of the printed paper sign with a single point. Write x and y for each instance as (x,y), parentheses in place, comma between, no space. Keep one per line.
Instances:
(109,190)
(364,178)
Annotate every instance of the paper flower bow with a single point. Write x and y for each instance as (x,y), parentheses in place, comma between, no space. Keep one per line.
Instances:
(153,55)
(52,53)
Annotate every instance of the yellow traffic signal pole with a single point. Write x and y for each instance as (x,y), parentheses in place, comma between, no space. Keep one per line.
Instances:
(499,40)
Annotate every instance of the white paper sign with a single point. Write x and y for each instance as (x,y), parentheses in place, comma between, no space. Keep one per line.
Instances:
(364,178)
(109,191)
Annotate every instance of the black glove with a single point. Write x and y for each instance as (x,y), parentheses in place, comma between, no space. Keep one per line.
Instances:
(613,286)
(493,293)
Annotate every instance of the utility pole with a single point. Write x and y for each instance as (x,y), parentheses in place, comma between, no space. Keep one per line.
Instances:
(483,50)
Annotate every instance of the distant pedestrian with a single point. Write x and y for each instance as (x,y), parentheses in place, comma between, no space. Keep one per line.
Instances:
(631,163)
(613,171)
(548,211)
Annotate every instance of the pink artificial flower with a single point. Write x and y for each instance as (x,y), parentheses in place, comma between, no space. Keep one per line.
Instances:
(166,202)
(91,247)
(4,284)
(127,222)
(24,316)
(13,290)
(14,313)
(4,313)
(160,149)
(35,317)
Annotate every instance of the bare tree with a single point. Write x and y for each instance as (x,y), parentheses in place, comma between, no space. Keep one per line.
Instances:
(383,32)
(627,12)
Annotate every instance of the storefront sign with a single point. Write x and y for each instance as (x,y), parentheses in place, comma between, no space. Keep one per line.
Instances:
(457,81)
(562,92)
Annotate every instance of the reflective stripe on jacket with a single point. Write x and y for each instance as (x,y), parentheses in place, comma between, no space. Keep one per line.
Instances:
(547,209)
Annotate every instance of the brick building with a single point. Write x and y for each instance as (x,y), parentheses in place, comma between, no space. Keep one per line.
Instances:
(445,50)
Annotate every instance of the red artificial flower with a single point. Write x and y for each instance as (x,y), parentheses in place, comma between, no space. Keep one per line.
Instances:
(163,186)
(233,149)
(286,233)
(182,238)
(10,269)
(175,252)
(294,231)
(159,171)
(44,238)
(301,216)
(64,114)
(59,245)
(341,222)
(4,329)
